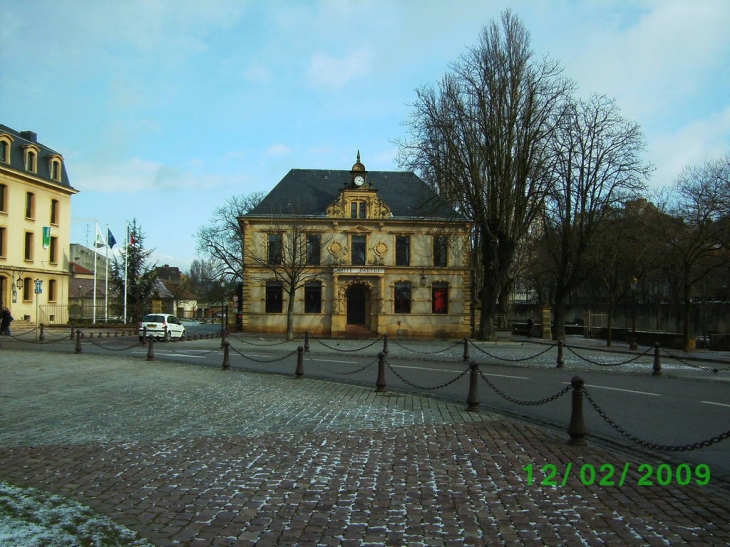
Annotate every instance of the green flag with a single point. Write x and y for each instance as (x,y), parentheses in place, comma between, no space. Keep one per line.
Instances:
(46,237)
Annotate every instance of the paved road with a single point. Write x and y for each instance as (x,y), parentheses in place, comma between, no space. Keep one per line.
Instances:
(685,405)
(191,455)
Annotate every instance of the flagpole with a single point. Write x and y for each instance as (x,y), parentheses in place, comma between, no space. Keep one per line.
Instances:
(126,253)
(106,278)
(93,305)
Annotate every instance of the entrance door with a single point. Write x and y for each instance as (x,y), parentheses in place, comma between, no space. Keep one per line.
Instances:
(356,300)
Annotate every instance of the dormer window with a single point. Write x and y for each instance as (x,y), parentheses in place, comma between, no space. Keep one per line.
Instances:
(54,166)
(30,161)
(5,142)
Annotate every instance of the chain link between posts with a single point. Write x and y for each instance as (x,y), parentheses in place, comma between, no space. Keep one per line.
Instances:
(688,364)
(426,388)
(546,400)
(550,347)
(346,350)
(457,344)
(107,348)
(626,362)
(340,373)
(285,356)
(649,445)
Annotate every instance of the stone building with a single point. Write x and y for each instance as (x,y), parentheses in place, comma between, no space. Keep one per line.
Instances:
(35,229)
(363,253)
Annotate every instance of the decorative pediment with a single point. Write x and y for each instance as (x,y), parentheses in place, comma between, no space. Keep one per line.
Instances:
(375,207)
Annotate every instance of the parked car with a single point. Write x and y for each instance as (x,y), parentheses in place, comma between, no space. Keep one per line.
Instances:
(162,326)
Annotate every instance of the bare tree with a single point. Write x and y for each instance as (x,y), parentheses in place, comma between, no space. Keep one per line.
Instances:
(597,167)
(221,240)
(291,255)
(481,140)
(693,228)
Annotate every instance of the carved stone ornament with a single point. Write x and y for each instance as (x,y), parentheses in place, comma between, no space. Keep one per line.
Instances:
(380,248)
(335,249)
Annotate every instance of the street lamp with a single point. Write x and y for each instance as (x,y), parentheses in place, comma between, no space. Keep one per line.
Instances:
(223,303)
(633,344)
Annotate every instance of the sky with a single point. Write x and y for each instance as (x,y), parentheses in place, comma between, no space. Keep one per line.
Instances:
(163,109)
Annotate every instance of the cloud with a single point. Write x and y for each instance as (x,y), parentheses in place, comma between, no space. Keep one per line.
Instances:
(331,73)
(278,150)
(139,175)
(668,54)
(693,144)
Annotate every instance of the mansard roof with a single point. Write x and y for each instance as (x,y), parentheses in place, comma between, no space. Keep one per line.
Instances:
(17,159)
(308,192)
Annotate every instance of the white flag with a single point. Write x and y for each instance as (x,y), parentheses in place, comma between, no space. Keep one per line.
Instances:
(100,241)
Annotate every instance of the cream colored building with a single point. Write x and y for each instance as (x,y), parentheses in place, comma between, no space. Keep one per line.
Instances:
(35,229)
(378,253)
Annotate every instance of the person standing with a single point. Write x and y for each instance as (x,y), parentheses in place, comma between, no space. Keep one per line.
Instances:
(530,324)
(5,321)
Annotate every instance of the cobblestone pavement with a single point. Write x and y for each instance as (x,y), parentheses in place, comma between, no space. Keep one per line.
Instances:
(193,456)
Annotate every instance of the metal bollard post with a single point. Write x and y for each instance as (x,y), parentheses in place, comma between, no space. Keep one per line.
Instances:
(226,360)
(472,401)
(380,382)
(577,428)
(42,335)
(656,369)
(561,361)
(150,348)
(466,349)
(77,349)
(385,343)
(306,341)
(300,362)
(144,334)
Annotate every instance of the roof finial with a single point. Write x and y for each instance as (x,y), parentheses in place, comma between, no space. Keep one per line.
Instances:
(358,156)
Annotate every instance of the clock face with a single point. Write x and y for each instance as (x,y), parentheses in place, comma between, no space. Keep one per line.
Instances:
(359,180)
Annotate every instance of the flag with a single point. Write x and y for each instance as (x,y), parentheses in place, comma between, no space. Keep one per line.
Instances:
(46,237)
(131,238)
(110,238)
(99,242)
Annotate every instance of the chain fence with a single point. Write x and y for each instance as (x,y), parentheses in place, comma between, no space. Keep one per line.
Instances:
(106,347)
(510,360)
(338,372)
(650,445)
(617,364)
(539,402)
(425,388)
(690,365)
(264,361)
(271,345)
(346,350)
(457,344)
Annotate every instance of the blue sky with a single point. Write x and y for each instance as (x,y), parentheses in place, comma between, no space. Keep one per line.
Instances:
(163,109)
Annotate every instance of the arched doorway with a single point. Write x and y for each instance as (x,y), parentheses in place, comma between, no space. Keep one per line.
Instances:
(357,298)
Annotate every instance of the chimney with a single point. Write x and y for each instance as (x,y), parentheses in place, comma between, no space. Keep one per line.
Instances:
(29,136)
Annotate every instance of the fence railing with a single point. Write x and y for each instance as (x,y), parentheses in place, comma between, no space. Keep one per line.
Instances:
(576,429)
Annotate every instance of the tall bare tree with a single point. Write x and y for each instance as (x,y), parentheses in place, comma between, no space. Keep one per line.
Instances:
(597,167)
(481,140)
(693,228)
(221,242)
